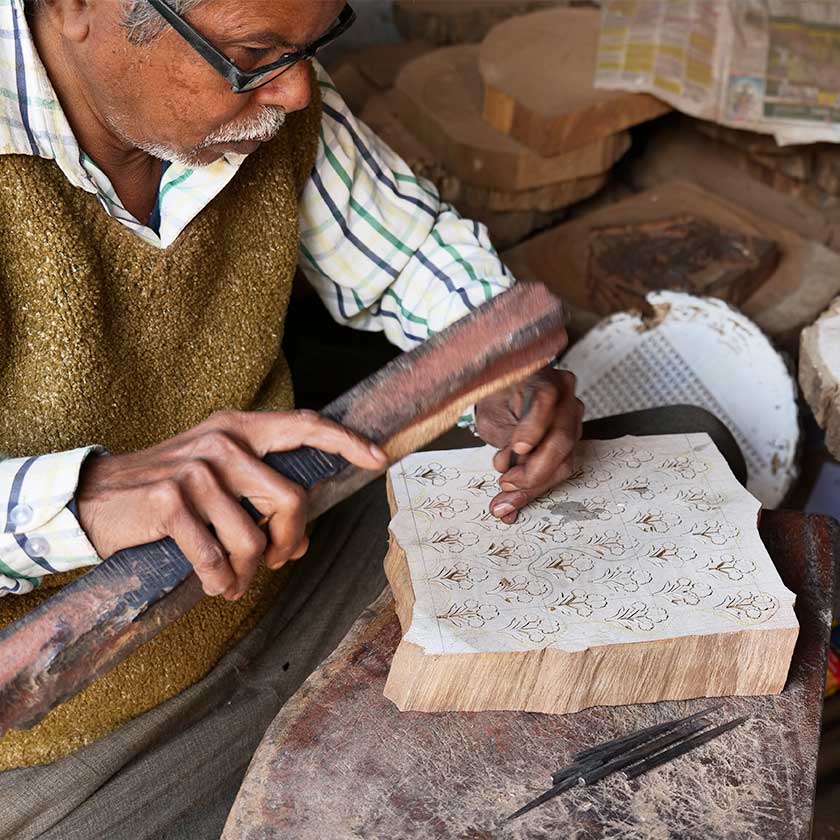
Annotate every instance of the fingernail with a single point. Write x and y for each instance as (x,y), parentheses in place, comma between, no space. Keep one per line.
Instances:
(503,509)
(522,448)
(507,486)
(377,453)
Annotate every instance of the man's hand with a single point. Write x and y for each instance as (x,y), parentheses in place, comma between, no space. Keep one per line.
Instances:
(542,437)
(188,483)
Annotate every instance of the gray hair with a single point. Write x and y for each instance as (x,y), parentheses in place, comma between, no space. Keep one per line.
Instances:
(144,23)
(140,19)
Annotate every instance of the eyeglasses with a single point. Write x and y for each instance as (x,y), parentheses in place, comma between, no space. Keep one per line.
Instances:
(244,81)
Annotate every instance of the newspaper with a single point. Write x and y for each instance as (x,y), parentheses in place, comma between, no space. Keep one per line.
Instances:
(771,66)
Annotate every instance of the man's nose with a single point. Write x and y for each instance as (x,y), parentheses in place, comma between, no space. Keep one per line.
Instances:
(291,89)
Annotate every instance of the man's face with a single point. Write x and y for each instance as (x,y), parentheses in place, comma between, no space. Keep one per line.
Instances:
(164,98)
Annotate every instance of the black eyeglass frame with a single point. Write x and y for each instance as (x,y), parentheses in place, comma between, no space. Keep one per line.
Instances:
(245,81)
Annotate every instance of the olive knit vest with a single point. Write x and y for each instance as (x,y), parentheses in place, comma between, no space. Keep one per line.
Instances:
(104,339)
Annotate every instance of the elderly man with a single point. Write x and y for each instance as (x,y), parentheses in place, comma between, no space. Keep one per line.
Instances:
(165,166)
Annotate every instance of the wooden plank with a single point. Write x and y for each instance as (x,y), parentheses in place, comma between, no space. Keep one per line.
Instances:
(805,281)
(341,760)
(446,22)
(630,565)
(438,98)
(538,73)
(675,152)
(95,622)
(506,226)
(819,373)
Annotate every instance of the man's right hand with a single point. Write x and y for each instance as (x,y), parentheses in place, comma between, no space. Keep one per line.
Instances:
(187,483)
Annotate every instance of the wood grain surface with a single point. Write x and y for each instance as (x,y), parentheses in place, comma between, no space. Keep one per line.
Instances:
(439,99)
(340,761)
(538,72)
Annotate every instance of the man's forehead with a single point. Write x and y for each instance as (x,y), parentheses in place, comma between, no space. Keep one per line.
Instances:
(291,23)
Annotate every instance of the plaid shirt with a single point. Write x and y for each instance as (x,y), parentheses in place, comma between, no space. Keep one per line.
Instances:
(377,243)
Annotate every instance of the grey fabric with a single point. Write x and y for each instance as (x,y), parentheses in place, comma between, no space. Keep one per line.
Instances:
(173,773)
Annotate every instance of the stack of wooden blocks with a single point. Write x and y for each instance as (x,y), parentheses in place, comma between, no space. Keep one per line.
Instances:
(510,130)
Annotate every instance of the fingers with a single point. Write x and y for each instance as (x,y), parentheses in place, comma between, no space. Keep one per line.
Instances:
(200,547)
(272,431)
(530,430)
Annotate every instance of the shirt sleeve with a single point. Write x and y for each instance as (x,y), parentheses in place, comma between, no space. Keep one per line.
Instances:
(381,248)
(39,534)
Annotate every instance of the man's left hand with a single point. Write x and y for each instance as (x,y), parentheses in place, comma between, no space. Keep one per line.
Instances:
(540,421)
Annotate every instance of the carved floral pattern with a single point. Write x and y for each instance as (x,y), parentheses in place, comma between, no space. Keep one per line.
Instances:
(460,576)
(652,541)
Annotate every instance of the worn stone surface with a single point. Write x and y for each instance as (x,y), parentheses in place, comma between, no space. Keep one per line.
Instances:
(341,762)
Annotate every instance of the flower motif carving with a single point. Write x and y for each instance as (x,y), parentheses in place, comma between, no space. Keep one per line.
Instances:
(460,576)
(434,475)
(695,498)
(578,601)
(685,591)
(442,506)
(729,566)
(568,563)
(640,616)
(520,588)
(631,458)
(684,467)
(508,553)
(642,487)
(749,607)
(451,541)
(656,521)
(714,532)
(533,628)
(624,578)
(669,554)
(483,485)
(469,614)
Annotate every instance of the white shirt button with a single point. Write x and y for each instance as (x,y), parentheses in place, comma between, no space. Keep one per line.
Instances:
(20,515)
(36,547)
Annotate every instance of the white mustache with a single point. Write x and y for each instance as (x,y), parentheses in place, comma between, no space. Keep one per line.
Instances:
(268,121)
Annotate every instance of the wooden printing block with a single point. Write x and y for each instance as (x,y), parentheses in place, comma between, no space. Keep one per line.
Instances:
(683,253)
(805,281)
(538,73)
(94,622)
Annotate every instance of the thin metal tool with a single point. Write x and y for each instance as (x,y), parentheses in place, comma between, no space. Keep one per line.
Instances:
(527,402)
(616,745)
(680,736)
(684,747)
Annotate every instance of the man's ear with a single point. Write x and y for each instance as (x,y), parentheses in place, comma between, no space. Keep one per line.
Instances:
(70,17)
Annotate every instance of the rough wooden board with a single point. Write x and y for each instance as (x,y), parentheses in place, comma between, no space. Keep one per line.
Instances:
(380,115)
(647,555)
(506,228)
(538,74)
(446,22)
(438,98)
(675,152)
(341,762)
(380,64)
(684,253)
(93,623)
(806,280)
(819,373)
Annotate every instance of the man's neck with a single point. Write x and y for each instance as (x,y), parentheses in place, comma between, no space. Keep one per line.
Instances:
(134,174)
